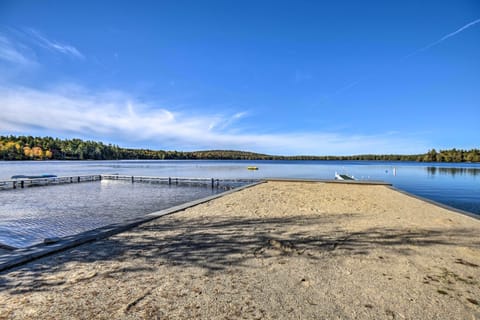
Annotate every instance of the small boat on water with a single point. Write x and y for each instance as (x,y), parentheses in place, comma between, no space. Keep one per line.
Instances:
(343,177)
(252,168)
(21,176)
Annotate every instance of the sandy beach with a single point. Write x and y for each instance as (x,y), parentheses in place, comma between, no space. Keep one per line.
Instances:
(279,250)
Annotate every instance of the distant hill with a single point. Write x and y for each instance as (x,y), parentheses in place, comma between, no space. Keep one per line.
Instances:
(229,155)
(45,148)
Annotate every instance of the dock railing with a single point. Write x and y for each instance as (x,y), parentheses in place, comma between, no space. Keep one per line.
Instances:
(36,182)
(212,182)
(209,182)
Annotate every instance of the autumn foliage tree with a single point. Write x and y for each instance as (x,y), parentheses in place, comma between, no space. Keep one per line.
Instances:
(42,148)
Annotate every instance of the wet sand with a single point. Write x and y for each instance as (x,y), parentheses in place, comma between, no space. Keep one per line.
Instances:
(279,250)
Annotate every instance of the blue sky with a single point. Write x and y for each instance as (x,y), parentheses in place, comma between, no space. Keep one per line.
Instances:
(278,77)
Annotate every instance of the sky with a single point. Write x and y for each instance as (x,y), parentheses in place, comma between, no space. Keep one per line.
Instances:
(276,77)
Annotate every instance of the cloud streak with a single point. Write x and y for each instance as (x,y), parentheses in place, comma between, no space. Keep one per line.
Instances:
(454,33)
(73,111)
(55,46)
(17,47)
(353,84)
(12,53)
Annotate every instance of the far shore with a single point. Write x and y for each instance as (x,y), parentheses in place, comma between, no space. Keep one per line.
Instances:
(279,158)
(278,250)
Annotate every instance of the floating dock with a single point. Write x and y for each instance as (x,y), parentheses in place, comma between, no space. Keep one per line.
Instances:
(24,183)
(37,182)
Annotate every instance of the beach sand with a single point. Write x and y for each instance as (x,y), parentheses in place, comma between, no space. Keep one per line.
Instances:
(279,250)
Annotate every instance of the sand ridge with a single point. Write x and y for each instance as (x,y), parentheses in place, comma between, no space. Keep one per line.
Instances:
(279,250)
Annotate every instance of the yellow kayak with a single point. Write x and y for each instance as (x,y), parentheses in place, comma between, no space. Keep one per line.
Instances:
(252,168)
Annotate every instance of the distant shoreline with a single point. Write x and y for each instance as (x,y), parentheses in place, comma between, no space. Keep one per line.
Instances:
(234,159)
(48,148)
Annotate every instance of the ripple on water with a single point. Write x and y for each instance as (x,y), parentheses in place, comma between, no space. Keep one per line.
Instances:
(27,216)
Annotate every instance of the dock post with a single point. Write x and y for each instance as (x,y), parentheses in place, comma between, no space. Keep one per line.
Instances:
(169,181)
(78,179)
(22,184)
(14,184)
(133,179)
(71,179)
(218,183)
(176,180)
(213,183)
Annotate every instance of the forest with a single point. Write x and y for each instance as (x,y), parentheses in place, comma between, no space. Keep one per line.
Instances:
(48,148)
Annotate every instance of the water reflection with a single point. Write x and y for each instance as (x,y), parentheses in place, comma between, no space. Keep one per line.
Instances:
(453,171)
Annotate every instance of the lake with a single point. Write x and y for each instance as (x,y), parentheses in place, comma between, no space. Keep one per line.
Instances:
(27,216)
(456,185)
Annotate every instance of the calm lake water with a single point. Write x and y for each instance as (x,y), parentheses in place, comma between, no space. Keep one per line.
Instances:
(27,216)
(457,185)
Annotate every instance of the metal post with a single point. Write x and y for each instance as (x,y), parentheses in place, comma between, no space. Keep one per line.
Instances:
(169,181)
(133,179)
(22,183)
(213,183)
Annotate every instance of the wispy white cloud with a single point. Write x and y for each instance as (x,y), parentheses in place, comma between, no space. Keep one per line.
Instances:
(468,25)
(115,115)
(19,47)
(353,84)
(55,46)
(221,123)
(13,53)
(447,36)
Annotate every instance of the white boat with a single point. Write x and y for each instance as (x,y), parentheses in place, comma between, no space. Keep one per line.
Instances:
(343,177)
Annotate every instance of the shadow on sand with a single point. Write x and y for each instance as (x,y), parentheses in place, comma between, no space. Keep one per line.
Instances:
(218,243)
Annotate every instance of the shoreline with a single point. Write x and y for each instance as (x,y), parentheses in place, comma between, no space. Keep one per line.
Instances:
(321,159)
(278,250)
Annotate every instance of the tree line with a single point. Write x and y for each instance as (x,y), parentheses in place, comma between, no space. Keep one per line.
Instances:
(48,148)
